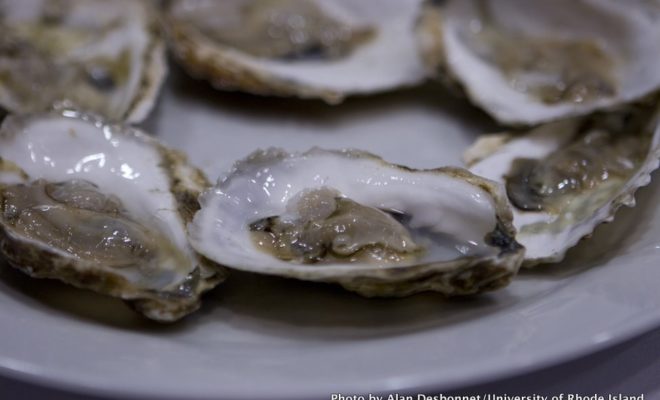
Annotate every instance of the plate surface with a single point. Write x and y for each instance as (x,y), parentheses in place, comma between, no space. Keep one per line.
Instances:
(263,337)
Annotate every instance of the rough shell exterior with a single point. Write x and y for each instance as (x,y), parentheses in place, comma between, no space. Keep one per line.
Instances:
(37,260)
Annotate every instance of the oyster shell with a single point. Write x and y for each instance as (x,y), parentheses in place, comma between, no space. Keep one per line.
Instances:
(305,48)
(104,56)
(102,207)
(564,178)
(349,217)
(528,62)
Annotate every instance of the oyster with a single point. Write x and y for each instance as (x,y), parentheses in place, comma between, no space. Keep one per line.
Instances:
(306,48)
(528,62)
(101,207)
(349,217)
(104,56)
(564,178)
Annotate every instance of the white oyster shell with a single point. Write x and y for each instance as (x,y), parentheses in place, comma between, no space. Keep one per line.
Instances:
(388,61)
(593,54)
(465,208)
(157,190)
(548,234)
(106,57)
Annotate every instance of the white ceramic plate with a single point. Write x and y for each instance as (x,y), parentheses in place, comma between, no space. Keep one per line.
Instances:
(262,337)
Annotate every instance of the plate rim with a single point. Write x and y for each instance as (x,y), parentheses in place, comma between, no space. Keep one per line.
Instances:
(425,383)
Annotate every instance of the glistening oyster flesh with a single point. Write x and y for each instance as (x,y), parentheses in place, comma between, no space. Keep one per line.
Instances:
(351,218)
(106,57)
(326,49)
(566,177)
(527,62)
(102,207)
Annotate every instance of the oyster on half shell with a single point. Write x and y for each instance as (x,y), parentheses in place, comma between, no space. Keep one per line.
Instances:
(349,217)
(102,207)
(533,61)
(106,57)
(326,49)
(565,178)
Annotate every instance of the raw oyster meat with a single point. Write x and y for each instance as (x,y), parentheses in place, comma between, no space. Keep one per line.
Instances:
(351,218)
(533,61)
(306,48)
(106,57)
(566,177)
(102,207)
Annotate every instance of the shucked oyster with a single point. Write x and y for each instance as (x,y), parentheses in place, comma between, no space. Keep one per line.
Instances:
(565,178)
(103,56)
(526,62)
(101,207)
(351,218)
(307,48)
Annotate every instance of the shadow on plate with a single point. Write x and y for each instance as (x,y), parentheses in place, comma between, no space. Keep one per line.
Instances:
(264,303)
(297,309)
(54,296)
